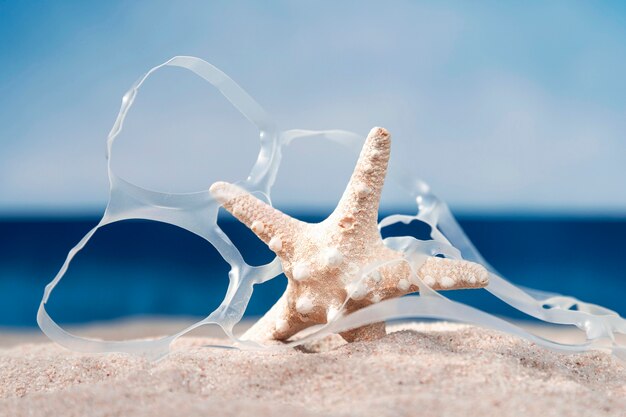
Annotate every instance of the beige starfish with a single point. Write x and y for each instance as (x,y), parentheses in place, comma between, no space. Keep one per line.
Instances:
(323,261)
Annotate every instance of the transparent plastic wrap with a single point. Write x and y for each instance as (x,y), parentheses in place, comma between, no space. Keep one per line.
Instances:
(197,213)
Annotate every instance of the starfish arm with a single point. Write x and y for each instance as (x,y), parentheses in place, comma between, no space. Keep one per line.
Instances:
(272,226)
(368,332)
(265,328)
(437,273)
(279,323)
(359,204)
(452,274)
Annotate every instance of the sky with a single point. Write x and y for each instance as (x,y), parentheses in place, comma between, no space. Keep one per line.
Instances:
(500,106)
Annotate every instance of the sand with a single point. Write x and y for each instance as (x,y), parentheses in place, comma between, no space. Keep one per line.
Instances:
(418,369)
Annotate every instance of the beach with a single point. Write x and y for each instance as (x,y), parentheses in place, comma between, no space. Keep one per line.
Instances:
(427,369)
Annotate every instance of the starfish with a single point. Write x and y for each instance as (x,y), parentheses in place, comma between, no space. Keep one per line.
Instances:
(324,262)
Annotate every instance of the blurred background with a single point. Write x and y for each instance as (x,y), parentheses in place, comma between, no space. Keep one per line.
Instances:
(514,113)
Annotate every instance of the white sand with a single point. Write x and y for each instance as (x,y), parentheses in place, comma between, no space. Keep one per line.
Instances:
(425,370)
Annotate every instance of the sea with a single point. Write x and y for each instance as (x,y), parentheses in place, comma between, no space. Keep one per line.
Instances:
(141,268)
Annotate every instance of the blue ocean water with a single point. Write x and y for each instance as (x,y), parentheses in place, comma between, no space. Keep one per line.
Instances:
(146,268)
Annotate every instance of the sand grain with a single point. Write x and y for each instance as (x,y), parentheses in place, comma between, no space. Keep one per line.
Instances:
(425,369)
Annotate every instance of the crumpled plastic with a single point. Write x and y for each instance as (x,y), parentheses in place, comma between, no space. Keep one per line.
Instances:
(197,212)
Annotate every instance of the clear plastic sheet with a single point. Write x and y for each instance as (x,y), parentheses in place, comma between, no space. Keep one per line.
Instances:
(197,213)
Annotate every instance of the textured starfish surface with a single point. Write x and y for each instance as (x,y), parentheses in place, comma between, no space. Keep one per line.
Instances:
(324,262)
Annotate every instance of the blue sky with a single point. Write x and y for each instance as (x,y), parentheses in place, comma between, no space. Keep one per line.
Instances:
(500,106)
